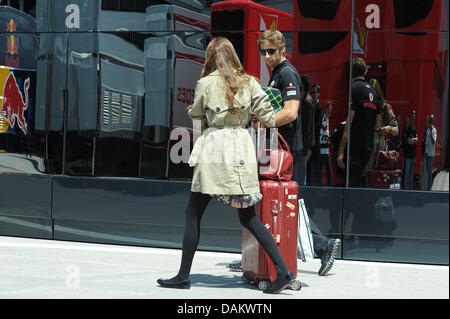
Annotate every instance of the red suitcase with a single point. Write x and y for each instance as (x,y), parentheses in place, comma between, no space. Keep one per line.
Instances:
(278,211)
(384,179)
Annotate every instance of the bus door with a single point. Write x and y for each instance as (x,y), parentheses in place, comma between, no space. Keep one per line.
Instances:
(174,58)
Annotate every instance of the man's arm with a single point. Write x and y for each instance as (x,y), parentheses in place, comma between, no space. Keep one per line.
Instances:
(433,135)
(415,138)
(288,113)
(340,158)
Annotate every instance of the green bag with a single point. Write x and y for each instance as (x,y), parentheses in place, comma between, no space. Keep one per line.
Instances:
(275,98)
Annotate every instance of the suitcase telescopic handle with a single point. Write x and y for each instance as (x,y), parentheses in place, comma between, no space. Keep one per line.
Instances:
(280,137)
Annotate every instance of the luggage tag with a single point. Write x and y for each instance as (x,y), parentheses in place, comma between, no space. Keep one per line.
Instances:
(292,207)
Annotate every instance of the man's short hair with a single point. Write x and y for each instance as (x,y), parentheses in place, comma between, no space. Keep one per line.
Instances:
(315,86)
(273,36)
(305,82)
(359,67)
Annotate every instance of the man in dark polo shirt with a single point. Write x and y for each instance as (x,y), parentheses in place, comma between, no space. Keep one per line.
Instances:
(284,77)
(271,45)
(364,119)
(409,141)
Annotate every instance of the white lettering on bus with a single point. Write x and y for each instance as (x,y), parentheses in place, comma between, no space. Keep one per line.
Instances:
(373,19)
(73,19)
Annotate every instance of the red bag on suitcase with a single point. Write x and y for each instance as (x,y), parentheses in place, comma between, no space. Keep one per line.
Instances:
(276,164)
(385,159)
(384,179)
(278,211)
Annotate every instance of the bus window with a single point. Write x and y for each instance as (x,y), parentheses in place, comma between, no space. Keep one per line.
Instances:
(316,42)
(316,15)
(319,9)
(409,12)
(225,22)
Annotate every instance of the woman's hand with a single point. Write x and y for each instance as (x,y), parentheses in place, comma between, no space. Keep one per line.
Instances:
(385,129)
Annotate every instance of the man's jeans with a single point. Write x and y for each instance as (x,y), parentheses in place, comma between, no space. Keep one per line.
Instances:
(410,164)
(300,168)
(325,161)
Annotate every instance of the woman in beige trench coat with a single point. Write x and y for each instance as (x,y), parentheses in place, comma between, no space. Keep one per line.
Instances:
(224,156)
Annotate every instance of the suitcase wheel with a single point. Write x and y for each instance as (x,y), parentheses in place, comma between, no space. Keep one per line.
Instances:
(245,280)
(263,285)
(296,285)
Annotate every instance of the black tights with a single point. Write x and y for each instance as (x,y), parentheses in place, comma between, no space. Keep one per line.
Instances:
(194,213)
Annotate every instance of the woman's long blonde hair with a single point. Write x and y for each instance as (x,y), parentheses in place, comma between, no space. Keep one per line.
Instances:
(385,106)
(377,86)
(221,56)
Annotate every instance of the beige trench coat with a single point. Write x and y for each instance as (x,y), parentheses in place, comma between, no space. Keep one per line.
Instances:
(224,156)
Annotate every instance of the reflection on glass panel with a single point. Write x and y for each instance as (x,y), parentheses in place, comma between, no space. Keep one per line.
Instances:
(140,5)
(173,64)
(324,57)
(106,89)
(121,85)
(228,18)
(322,15)
(100,15)
(51,94)
(80,15)
(113,102)
(412,83)
(404,15)
(25,145)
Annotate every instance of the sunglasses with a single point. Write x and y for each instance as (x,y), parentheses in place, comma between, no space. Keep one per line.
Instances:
(271,51)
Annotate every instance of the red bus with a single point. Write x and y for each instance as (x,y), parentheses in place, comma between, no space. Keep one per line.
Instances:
(248,18)
(400,41)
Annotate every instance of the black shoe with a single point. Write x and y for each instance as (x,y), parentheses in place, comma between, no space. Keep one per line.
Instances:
(328,257)
(280,284)
(174,283)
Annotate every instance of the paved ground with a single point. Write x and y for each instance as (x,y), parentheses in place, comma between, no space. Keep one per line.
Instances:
(35,268)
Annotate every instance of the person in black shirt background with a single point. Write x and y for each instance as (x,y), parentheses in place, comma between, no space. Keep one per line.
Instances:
(395,140)
(271,45)
(303,134)
(409,141)
(314,171)
(325,142)
(364,119)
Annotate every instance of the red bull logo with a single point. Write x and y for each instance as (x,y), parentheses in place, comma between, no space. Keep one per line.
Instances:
(12,45)
(13,107)
(11,26)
